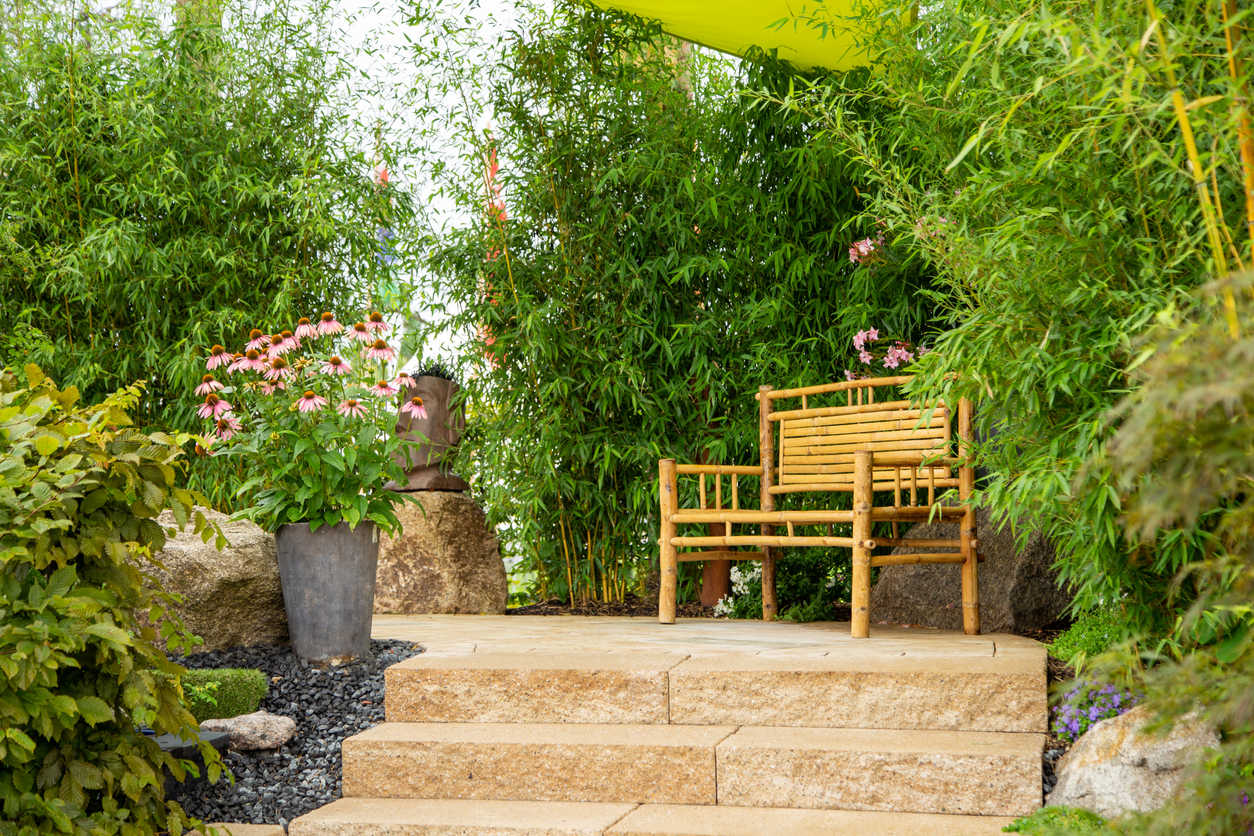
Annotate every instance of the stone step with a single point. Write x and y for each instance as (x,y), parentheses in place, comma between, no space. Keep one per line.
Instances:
(534,762)
(427,817)
(978,773)
(956,773)
(976,688)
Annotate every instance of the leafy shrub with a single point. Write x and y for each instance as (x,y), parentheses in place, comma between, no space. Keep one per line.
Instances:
(1092,633)
(807,584)
(1089,703)
(224,692)
(79,493)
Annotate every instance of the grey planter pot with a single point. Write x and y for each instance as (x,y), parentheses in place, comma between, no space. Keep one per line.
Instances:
(328,579)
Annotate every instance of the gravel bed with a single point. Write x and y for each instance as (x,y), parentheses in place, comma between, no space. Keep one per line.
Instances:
(328,705)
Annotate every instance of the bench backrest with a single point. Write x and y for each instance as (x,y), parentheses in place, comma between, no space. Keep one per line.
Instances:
(815,446)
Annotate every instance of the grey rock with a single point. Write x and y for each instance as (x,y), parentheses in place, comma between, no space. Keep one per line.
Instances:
(446,560)
(232,598)
(1018,590)
(259,730)
(1116,767)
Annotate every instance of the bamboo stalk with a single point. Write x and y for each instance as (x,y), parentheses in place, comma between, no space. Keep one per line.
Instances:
(839,386)
(749,517)
(721,554)
(778,540)
(669,583)
(735,495)
(860,626)
(718,491)
(742,470)
(862,436)
(860,424)
(967,529)
(766,457)
(1245,131)
(702,477)
(910,543)
(915,559)
(847,487)
(886,407)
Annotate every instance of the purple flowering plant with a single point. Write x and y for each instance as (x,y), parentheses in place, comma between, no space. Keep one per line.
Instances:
(1087,704)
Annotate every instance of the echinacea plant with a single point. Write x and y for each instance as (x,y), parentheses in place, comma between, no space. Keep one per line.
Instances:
(312,412)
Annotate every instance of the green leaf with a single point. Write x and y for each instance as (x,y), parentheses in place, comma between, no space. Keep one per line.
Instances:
(94,710)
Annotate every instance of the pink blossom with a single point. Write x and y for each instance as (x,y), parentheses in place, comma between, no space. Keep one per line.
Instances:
(865,356)
(379,350)
(252,360)
(279,369)
(859,340)
(336,366)
(279,345)
(872,334)
(850,375)
(862,250)
(291,340)
(213,407)
(383,389)
(305,329)
(359,331)
(352,408)
(310,402)
(376,323)
(896,356)
(227,426)
(217,357)
(414,407)
(257,339)
(328,325)
(271,388)
(208,384)
(403,379)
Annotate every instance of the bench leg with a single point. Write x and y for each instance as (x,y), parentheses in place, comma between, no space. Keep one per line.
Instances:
(970,576)
(667,491)
(860,620)
(770,605)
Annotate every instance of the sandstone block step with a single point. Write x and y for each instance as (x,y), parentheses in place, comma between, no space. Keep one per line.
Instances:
(981,689)
(968,773)
(999,693)
(531,688)
(535,762)
(415,817)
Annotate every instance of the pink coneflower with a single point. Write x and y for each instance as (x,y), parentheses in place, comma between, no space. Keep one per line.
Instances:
(351,408)
(328,325)
(379,350)
(360,332)
(414,407)
(217,357)
(310,402)
(254,360)
(305,328)
(238,363)
(213,407)
(271,388)
(279,369)
(257,339)
(280,344)
(376,323)
(403,379)
(208,384)
(336,366)
(383,389)
(227,426)
(291,340)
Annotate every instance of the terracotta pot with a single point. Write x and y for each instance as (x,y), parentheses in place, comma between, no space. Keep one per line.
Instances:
(328,579)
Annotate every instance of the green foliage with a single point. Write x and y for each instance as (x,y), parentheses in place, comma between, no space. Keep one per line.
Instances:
(79,493)
(807,584)
(665,248)
(224,692)
(1091,634)
(1048,820)
(164,188)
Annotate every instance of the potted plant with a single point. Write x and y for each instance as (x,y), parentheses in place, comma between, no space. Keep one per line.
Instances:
(312,412)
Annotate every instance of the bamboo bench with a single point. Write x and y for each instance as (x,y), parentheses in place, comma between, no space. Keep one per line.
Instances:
(860,447)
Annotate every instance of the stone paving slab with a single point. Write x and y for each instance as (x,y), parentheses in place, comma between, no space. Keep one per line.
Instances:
(608,763)
(228,829)
(669,820)
(966,773)
(440,817)
(535,687)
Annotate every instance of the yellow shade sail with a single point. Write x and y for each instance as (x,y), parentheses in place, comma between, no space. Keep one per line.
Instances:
(812,34)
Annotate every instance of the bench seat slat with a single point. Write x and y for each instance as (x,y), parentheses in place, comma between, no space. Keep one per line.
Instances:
(905,422)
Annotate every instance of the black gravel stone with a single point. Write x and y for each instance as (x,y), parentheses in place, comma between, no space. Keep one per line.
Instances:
(1050,759)
(274,787)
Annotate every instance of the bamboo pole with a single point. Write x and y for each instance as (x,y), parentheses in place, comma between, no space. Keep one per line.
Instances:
(693,469)
(669,563)
(766,453)
(860,627)
(967,528)
(776,540)
(840,386)
(915,559)
(719,554)
(883,408)
(1245,131)
(748,517)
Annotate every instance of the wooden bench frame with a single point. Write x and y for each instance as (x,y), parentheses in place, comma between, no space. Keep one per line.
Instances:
(858,462)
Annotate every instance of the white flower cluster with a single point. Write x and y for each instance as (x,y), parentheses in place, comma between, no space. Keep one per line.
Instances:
(723,607)
(741,578)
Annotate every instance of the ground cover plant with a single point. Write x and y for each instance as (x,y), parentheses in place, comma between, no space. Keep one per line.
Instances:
(79,492)
(647,248)
(240,195)
(223,692)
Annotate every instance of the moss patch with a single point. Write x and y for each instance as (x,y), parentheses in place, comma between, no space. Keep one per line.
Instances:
(224,692)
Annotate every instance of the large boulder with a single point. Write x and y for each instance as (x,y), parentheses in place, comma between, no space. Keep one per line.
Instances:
(259,730)
(446,560)
(232,597)
(1116,767)
(1018,590)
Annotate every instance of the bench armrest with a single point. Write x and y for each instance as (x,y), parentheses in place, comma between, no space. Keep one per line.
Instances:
(732,469)
(914,460)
